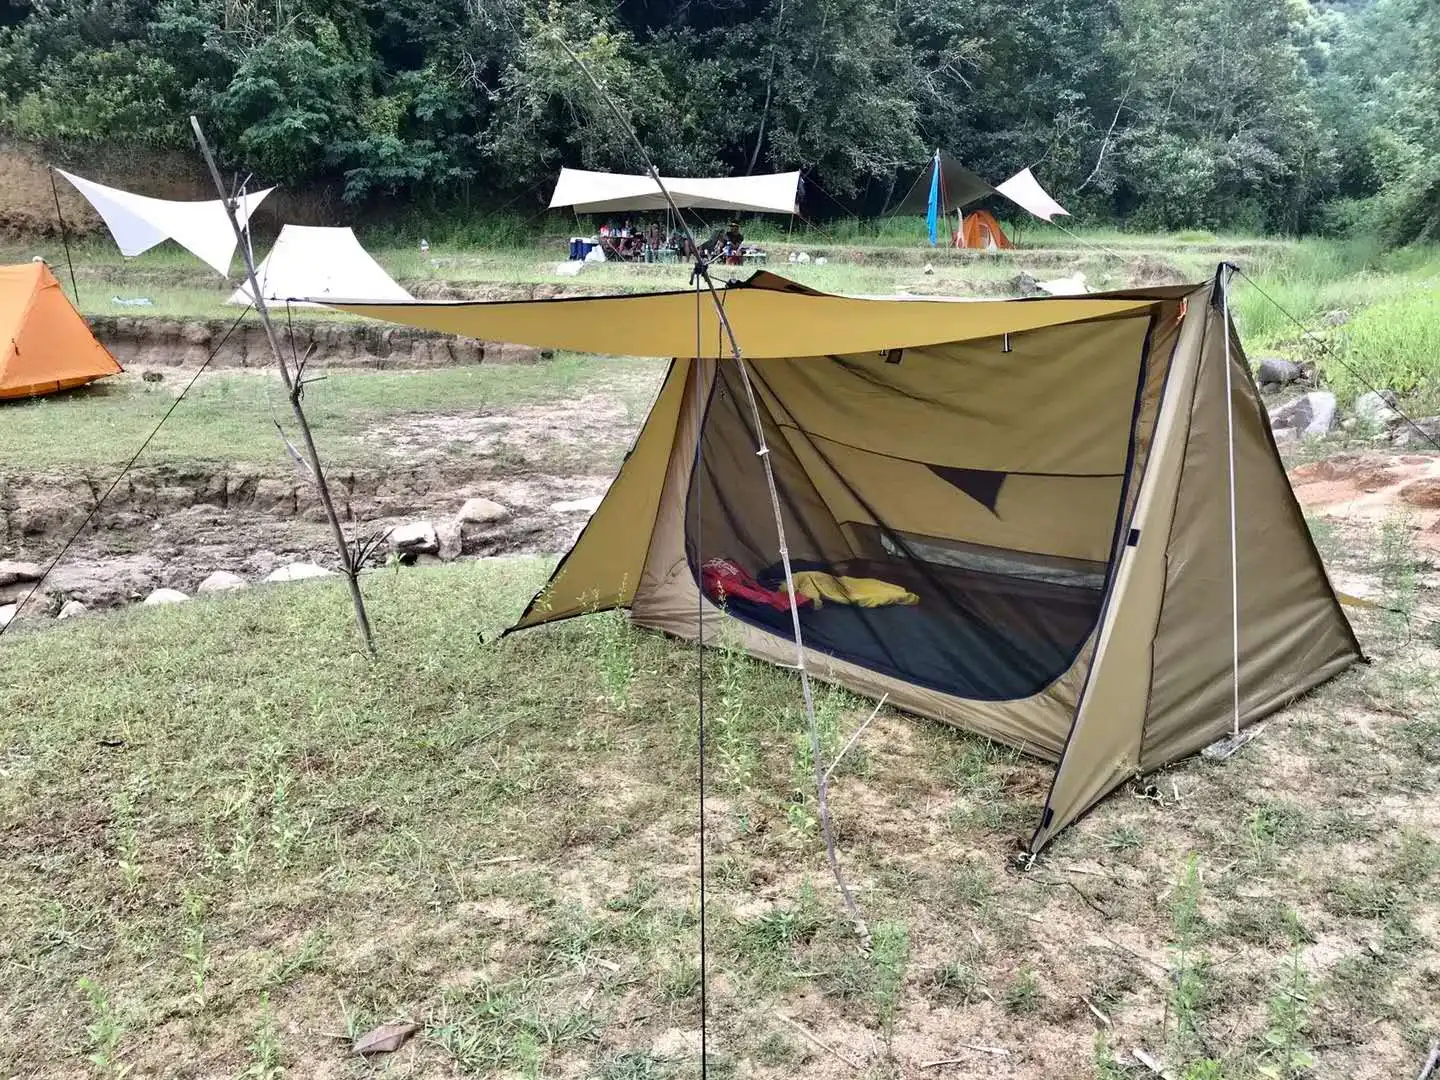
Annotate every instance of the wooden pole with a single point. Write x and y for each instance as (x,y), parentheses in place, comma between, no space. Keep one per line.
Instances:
(295,388)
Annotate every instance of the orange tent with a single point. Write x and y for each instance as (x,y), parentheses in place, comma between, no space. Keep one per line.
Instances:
(45,346)
(979,229)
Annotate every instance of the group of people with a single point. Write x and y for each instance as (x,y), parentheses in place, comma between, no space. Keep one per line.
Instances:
(631,244)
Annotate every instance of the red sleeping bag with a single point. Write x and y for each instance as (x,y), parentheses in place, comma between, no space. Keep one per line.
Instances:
(723,579)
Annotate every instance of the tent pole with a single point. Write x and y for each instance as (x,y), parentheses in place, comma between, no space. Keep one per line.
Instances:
(1224,282)
(295,387)
(64,237)
(702,273)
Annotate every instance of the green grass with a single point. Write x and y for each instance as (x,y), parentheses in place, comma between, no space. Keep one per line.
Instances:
(239,837)
(227,417)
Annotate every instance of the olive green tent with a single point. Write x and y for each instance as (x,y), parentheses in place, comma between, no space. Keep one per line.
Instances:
(1046,483)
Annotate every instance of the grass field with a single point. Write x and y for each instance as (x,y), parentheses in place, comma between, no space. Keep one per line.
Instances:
(228,416)
(235,844)
(229,844)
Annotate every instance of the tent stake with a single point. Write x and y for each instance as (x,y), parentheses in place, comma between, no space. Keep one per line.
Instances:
(294,390)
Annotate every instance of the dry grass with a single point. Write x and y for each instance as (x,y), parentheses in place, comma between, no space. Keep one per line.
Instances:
(229,844)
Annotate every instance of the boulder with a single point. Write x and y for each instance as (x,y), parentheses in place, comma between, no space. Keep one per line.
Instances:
(299,571)
(221,581)
(578,505)
(73,609)
(1312,414)
(7,613)
(416,538)
(165,596)
(482,512)
(1277,371)
(451,540)
(1025,285)
(1422,434)
(12,572)
(1375,408)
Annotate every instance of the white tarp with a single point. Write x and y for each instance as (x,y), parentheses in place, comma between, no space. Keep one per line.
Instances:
(138,222)
(314,263)
(603,193)
(1025,191)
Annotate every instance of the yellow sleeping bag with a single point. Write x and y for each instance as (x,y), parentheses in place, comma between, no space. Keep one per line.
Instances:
(862,592)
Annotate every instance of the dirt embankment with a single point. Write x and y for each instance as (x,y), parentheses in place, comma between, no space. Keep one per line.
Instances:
(150,342)
(171,527)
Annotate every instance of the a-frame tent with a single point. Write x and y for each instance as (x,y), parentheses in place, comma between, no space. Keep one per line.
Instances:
(1046,479)
(315,263)
(45,345)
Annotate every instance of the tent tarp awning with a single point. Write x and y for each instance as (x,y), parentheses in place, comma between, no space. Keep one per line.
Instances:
(138,222)
(603,192)
(959,188)
(1025,192)
(771,318)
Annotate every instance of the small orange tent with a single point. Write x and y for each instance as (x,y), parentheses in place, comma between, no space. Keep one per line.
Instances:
(979,229)
(45,346)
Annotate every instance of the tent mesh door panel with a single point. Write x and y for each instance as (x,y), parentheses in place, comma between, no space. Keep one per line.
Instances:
(1004,570)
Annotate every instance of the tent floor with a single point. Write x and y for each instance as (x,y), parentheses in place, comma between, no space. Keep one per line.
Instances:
(980,636)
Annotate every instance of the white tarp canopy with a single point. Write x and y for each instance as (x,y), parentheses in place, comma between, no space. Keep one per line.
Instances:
(138,222)
(314,263)
(603,193)
(1025,191)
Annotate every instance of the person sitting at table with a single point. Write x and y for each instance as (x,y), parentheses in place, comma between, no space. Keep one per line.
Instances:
(734,245)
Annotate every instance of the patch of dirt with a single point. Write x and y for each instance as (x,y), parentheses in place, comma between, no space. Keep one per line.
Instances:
(172,527)
(1372,486)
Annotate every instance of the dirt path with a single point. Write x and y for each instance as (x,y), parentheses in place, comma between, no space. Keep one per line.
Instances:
(1370,487)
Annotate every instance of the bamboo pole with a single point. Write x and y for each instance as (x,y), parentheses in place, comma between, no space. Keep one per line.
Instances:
(295,390)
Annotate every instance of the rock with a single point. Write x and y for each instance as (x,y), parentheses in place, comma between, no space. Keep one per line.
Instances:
(928,269)
(1374,408)
(7,613)
(1313,414)
(12,572)
(73,609)
(417,538)
(1426,438)
(587,505)
(1067,286)
(1286,435)
(1338,317)
(153,376)
(1277,371)
(1424,493)
(299,571)
(165,596)
(1026,285)
(221,581)
(451,540)
(482,512)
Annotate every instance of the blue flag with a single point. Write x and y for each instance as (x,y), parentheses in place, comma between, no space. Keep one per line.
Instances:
(932,216)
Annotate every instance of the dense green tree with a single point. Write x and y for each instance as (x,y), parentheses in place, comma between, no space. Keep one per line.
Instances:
(1279,114)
